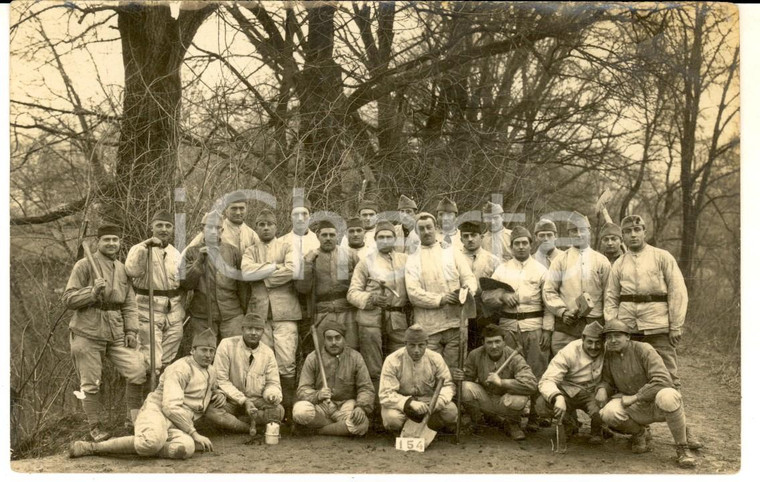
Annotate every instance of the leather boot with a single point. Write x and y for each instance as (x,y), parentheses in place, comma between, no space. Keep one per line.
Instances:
(120,445)
(639,443)
(226,421)
(596,430)
(94,409)
(80,448)
(692,441)
(288,396)
(337,428)
(684,457)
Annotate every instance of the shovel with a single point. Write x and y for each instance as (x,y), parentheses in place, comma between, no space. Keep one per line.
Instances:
(420,430)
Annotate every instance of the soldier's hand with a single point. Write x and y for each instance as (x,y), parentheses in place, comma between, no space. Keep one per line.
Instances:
(203,251)
(568,318)
(324,394)
(358,416)
(546,339)
(382,301)
(601,397)
(674,337)
(311,256)
(493,379)
(271,398)
(449,299)
(130,340)
(204,442)
(457,375)
(560,408)
(98,287)
(510,300)
(218,399)
(419,408)
(250,408)
(154,241)
(628,400)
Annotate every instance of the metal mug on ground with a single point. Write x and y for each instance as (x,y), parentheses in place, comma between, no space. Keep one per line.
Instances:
(272,434)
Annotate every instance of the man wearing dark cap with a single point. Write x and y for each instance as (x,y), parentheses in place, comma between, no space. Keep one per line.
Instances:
(248,376)
(546,235)
(355,235)
(612,241)
(522,313)
(378,290)
(642,392)
(446,215)
(483,264)
(497,240)
(368,217)
(569,382)
(500,397)
(407,383)
(575,277)
(300,239)
(407,240)
(208,270)
(344,406)
(165,426)
(168,311)
(327,275)
(268,265)
(105,323)
(434,275)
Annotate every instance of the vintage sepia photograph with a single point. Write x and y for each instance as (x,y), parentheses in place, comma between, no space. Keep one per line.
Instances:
(374,237)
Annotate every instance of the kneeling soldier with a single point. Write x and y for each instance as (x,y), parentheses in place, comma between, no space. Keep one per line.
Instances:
(407,383)
(569,382)
(248,376)
(501,396)
(165,425)
(642,392)
(342,407)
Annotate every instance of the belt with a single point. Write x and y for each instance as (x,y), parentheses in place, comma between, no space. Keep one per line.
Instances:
(331,297)
(395,308)
(644,298)
(334,309)
(109,306)
(167,293)
(522,316)
(591,319)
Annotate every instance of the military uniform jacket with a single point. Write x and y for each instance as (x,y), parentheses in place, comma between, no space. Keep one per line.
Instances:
(228,294)
(270,266)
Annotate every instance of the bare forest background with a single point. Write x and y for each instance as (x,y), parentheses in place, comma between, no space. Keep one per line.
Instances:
(114,106)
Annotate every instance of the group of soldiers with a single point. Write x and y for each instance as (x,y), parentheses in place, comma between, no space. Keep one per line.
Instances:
(336,336)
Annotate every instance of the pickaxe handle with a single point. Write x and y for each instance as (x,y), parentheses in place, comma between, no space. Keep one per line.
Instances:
(151,320)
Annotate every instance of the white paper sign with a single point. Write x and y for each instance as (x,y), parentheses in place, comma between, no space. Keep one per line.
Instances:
(408,444)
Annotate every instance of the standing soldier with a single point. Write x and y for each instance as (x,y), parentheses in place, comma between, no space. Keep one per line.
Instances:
(497,240)
(434,275)
(219,299)
(168,311)
(327,275)
(236,232)
(522,313)
(407,240)
(378,290)
(483,264)
(165,426)
(448,234)
(355,236)
(612,242)
(105,322)
(546,234)
(647,292)
(574,277)
(269,265)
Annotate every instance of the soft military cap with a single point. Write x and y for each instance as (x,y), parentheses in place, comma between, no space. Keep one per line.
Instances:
(593,330)
(324,224)
(334,326)
(368,204)
(631,221)
(385,226)
(521,232)
(545,225)
(611,229)
(578,220)
(300,202)
(164,216)
(406,203)
(491,208)
(415,334)
(446,205)
(254,320)
(354,223)
(616,326)
(471,227)
(205,338)
(109,230)
(212,217)
(266,216)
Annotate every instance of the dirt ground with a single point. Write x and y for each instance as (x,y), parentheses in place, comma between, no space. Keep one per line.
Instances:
(716,418)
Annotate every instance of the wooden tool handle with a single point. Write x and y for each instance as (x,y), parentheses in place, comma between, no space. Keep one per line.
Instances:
(438,387)
(504,365)
(315,337)
(91,260)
